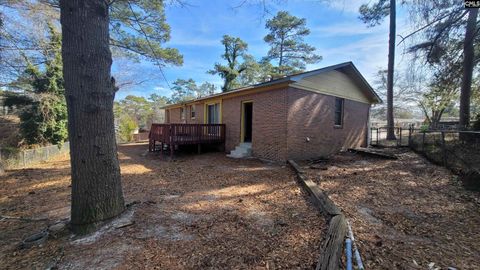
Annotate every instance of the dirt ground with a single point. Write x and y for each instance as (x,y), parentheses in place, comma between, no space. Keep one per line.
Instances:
(198,212)
(405,213)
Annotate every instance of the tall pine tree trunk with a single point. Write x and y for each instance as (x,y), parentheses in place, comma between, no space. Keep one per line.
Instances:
(391,66)
(280,61)
(89,91)
(468,57)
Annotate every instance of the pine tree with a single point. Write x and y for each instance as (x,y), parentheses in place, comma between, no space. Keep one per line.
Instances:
(449,28)
(373,15)
(90,90)
(44,113)
(287,45)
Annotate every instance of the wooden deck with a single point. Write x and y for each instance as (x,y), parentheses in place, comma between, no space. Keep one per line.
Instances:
(172,135)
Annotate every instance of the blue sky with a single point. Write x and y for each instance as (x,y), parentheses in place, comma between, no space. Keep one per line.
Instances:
(196,31)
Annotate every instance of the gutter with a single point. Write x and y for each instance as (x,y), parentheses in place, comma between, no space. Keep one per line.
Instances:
(235,91)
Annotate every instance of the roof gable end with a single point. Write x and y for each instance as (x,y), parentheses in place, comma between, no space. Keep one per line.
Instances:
(342,80)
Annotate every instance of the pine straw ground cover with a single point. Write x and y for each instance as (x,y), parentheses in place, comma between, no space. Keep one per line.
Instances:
(405,213)
(198,212)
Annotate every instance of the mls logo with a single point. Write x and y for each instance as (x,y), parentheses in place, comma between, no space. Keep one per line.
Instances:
(472,4)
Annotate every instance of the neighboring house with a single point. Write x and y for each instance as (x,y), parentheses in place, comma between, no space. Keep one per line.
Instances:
(306,115)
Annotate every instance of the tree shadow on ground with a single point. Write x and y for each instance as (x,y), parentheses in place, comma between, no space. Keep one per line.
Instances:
(406,213)
(197,211)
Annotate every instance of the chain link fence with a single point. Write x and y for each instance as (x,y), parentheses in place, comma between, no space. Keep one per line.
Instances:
(378,137)
(456,150)
(14,158)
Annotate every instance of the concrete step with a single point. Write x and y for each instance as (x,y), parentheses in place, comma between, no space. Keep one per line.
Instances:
(245,145)
(235,155)
(241,151)
(242,148)
(244,152)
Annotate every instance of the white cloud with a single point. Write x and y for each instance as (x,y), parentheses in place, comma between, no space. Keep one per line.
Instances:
(342,29)
(350,6)
(161,90)
(368,54)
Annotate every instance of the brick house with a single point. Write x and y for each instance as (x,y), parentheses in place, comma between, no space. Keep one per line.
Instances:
(306,115)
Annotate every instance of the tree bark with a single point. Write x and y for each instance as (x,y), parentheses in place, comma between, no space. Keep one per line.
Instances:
(468,57)
(391,65)
(280,61)
(89,91)
(435,119)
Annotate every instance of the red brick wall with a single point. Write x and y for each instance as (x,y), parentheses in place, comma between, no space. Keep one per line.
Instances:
(198,114)
(268,125)
(284,118)
(312,115)
(231,115)
(175,115)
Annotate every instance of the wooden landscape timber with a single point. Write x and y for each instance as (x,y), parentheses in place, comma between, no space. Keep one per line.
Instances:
(332,250)
(368,152)
(319,198)
(333,247)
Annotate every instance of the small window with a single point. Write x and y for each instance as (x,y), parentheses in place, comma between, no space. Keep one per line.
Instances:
(182,113)
(339,111)
(192,111)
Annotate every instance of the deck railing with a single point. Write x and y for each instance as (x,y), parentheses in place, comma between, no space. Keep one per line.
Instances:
(176,134)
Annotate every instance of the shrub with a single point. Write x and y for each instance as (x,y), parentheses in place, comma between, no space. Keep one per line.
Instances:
(476,123)
(126,128)
(45,121)
(424,128)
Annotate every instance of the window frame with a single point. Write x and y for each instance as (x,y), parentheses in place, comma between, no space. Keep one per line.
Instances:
(205,110)
(193,112)
(216,113)
(341,111)
(183,113)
